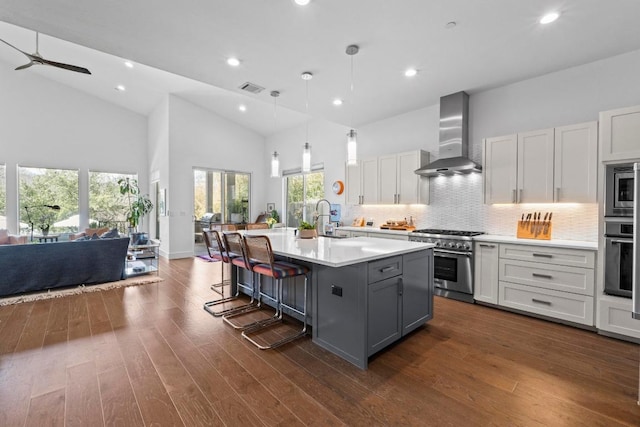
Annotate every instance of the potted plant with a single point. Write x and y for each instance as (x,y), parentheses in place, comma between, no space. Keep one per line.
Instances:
(139,204)
(307,230)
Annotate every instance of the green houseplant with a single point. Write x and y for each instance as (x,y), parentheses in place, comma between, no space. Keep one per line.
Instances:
(139,204)
(307,230)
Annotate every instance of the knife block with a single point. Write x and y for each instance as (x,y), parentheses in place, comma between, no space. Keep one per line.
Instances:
(539,230)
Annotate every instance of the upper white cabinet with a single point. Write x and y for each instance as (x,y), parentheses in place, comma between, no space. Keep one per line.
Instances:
(362,182)
(576,163)
(500,169)
(545,166)
(397,181)
(620,134)
(388,179)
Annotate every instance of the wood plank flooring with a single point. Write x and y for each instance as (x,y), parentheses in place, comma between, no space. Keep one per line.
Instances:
(150,355)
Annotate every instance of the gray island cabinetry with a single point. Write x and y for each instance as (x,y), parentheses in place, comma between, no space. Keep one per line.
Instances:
(365,293)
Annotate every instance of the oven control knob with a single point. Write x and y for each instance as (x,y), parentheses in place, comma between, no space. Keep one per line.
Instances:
(459,246)
(466,246)
(437,244)
(451,244)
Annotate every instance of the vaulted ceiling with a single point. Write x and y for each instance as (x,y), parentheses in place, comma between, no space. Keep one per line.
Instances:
(182,48)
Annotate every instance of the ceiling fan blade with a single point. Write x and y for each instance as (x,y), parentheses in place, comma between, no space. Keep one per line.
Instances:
(21,51)
(65,66)
(27,65)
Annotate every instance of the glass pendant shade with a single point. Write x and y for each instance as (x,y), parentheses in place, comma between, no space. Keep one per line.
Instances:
(306,158)
(352,147)
(275,165)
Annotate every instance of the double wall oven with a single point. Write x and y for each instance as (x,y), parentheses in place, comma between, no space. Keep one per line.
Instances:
(452,259)
(618,230)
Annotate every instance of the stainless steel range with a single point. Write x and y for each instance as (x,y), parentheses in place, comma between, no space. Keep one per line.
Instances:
(453,261)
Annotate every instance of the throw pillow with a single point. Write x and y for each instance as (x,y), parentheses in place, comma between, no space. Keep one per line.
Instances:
(111,234)
(95,236)
(4,237)
(80,239)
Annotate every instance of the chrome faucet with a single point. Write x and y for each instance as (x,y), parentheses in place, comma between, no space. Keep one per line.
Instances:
(317,217)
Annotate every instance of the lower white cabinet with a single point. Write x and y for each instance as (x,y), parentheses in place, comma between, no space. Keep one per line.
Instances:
(615,316)
(543,280)
(486,272)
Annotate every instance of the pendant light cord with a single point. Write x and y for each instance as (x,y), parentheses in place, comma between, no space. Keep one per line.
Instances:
(306,82)
(352,103)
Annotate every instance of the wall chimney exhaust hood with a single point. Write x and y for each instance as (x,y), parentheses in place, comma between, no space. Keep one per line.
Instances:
(453,148)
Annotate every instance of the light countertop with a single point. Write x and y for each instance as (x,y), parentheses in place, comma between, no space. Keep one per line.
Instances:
(556,243)
(334,252)
(374,230)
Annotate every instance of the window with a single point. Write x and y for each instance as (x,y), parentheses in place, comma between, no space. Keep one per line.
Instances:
(303,192)
(48,198)
(223,194)
(107,207)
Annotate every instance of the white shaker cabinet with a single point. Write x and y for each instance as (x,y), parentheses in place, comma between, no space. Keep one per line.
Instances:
(535,167)
(398,182)
(486,272)
(620,134)
(362,182)
(576,163)
(500,169)
(545,166)
(519,168)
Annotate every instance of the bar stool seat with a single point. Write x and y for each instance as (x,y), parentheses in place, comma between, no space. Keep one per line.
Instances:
(258,249)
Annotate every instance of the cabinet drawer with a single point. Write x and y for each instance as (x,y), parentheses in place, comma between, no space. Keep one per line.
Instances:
(615,316)
(560,305)
(549,255)
(549,276)
(385,268)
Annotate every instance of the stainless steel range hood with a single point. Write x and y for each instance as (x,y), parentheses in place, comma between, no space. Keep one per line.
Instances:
(454,139)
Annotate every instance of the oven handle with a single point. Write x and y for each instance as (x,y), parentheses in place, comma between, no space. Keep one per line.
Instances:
(621,241)
(444,251)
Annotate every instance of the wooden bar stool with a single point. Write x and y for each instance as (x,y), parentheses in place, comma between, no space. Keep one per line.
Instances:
(258,250)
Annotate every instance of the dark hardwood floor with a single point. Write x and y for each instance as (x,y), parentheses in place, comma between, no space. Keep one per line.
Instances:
(150,355)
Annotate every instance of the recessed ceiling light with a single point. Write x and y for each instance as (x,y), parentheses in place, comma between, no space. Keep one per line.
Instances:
(242,108)
(302,2)
(450,25)
(337,101)
(121,88)
(234,62)
(549,17)
(410,72)
(128,64)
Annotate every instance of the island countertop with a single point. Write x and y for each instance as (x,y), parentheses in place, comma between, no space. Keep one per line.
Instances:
(335,252)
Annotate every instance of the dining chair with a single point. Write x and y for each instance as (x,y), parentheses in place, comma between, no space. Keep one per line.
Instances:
(258,250)
(257,226)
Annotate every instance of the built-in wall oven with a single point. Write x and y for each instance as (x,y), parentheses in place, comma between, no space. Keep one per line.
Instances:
(619,190)
(618,249)
(618,229)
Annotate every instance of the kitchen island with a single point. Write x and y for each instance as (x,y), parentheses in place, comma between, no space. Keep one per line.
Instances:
(365,293)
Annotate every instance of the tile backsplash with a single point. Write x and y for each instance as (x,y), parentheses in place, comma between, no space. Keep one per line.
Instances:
(457,203)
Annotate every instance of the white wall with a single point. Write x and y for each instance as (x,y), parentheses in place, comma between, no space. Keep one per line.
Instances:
(46,124)
(199,138)
(158,142)
(570,96)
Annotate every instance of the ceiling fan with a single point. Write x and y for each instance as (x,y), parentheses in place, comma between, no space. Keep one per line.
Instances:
(36,58)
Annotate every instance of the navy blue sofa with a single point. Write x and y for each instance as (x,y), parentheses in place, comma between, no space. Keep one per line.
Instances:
(35,267)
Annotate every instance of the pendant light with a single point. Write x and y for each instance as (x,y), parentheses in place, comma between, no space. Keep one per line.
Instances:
(306,153)
(352,143)
(275,162)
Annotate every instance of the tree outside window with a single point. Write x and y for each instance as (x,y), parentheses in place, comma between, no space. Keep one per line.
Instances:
(107,206)
(303,192)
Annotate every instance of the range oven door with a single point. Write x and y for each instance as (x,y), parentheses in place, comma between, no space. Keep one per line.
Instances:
(452,271)
(618,269)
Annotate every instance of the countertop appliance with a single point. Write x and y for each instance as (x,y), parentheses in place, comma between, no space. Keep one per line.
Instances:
(453,261)
(618,256)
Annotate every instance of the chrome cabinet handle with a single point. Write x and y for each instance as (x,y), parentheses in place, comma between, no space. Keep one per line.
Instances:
(520,198)
(539,301)
(620,242)
(514,197)
(557,199)
(388,268)
(542,255)
(484,245)
(543,276)
(400,286)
